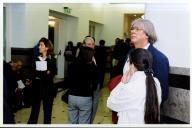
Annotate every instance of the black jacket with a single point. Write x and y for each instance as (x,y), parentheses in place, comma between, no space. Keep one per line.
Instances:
(161,69)
(83,79)
(45,80)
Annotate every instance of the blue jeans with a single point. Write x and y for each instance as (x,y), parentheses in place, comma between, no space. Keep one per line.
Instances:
(79,109)
(96,95)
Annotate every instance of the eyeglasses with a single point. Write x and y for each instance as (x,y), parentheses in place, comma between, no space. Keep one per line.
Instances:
(136,29)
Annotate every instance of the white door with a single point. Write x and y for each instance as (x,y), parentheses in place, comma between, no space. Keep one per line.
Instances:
(59,45)
(65,30)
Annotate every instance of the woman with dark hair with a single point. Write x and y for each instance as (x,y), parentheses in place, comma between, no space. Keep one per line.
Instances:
(137,97)
(42,87)
(82,82)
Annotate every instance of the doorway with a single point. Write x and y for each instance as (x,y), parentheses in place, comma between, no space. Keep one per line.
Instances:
(95,30)
(51,26)
(62,28)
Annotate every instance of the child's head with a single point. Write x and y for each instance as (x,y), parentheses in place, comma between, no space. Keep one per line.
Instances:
(141,59)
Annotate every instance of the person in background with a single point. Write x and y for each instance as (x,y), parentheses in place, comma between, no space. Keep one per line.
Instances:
(90,42)
(35,51)
(143,35)
(116,54)
(69,56)
(12,75)
(100,56)
(27,93)
(23,89)
(137,97)
(82,83)
(8,115)
(8,112)
(128,44)
(119,55)
(69,51)
(42,85)
(77,49)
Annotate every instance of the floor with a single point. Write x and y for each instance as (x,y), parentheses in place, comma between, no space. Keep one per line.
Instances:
(59,113)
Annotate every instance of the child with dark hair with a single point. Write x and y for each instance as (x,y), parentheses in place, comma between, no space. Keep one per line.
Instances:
(137,97)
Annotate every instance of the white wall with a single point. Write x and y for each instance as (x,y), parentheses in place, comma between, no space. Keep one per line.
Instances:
(32,20)
(84,12)
(98,33)
(36,16)
(172,26)
(27,23)
(111,15)
(114,18)
(16,26)
(71,29)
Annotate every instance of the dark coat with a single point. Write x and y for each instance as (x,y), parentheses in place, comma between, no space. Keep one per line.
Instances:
(11,78)
(46,80)
(83,79)
(8,116)
(161,69)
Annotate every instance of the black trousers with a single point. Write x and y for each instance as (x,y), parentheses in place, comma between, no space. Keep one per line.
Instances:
(41,93)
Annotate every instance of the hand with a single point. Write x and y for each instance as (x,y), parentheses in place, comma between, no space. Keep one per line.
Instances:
(18,90)
(128,74)
(48,72)
(28,82)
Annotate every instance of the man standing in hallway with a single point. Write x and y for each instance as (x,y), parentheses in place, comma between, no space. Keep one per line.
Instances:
(90,42)
(143,35)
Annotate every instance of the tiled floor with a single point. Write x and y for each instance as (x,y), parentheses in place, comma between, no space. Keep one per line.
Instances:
(59,113)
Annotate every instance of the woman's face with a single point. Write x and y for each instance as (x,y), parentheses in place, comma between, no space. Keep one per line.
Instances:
(42,48)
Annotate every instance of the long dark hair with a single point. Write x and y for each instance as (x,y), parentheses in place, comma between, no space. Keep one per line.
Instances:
(142,60)
(85,55)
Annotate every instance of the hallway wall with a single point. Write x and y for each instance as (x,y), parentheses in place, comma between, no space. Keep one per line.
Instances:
(172,25)
(114,20)
(28,22)
(36,23)
(84,13)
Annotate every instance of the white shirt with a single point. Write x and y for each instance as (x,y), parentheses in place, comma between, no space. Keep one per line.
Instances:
(41,65)
(129,99)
